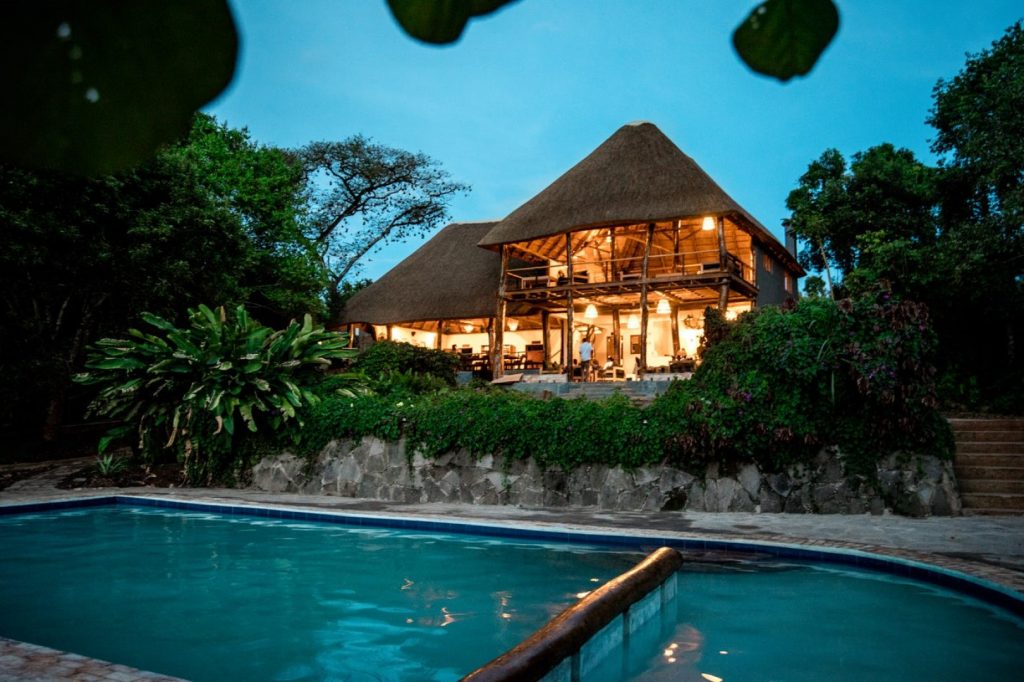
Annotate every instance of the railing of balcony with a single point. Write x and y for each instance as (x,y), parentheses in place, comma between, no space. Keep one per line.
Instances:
(628,269)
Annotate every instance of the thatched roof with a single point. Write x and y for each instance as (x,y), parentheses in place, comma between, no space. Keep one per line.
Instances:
(449,277)
(637,175)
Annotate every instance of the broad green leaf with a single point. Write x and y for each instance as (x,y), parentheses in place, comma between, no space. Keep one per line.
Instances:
(115,363)
(784,38)
(112,435)
(439,21)
(94,87)
(158,322)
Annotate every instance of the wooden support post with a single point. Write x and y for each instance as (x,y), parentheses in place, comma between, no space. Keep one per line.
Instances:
(545,336)
(440,330)
(498,347)
(675,246)
(643,299)
(568,307)
(391,336)
(675,328)
(722,254)
(617,337)
(723,262)
(613,258)
(351,336)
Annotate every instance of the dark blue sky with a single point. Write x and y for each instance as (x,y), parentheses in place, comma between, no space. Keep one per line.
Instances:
(532,89)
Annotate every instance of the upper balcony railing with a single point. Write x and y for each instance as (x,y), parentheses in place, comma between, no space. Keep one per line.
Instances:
(661,268)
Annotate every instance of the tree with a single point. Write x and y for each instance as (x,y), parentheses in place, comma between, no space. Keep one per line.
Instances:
(79,256)
(869,221)
(979,116)
(364,195)
(952,236)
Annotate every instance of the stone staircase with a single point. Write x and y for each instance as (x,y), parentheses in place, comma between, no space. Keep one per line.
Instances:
(598,390)
(990,465)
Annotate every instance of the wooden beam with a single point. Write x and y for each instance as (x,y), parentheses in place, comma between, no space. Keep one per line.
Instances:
(545,332)
(643,300)
(497,348)
(568,310)
(722,254)
(617,336)
(675,328)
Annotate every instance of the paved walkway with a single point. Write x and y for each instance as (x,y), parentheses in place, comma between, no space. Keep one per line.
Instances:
(988,547)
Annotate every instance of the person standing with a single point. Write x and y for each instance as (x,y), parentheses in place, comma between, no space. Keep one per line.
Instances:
(586,353)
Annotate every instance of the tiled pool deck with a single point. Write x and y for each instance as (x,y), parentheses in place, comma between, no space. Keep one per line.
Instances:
(987,548)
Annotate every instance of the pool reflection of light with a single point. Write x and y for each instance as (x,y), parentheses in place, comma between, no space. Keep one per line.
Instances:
(711,678)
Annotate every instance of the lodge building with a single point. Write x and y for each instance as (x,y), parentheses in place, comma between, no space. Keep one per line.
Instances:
(627,248)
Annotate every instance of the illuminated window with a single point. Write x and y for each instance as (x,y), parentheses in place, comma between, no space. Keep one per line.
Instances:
(767,263)
(788,283)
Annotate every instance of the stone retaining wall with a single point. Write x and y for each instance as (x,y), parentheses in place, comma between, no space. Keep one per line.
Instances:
(375,469)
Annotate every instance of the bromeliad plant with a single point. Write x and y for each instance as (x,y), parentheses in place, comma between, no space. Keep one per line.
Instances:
(189,390)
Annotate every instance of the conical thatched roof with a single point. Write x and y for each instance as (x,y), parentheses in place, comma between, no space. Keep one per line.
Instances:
(449,277)
(636,175)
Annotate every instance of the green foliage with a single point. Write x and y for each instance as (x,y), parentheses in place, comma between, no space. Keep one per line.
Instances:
(785,38)
(715,329)
(193,389)
(950,237)
(110,465)
(384,357)
(782,384)
(776,387)
(440,21)
(98,88)
(556,433)
(875,215)
(110,86)
(215,218)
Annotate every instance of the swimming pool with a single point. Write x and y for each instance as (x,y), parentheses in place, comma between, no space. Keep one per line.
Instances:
(208,596)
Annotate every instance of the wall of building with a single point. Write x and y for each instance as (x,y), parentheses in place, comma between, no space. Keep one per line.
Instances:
(771,285)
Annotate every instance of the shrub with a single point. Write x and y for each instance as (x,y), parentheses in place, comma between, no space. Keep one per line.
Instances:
(187,390)
(780,384)
(392,356)
(557,433)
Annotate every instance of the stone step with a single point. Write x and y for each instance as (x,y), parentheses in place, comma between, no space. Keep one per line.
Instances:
(1003,501)
(993,512)
(991,485)
(990,473)
(997,435)
(988,459)
(1000,424)
(990,448)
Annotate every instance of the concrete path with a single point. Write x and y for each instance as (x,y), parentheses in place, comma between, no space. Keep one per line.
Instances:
(985,545)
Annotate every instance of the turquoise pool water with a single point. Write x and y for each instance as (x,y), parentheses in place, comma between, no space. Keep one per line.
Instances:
(798,622)
(210,597)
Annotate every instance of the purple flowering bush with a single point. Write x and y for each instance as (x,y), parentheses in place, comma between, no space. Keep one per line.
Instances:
(780,384)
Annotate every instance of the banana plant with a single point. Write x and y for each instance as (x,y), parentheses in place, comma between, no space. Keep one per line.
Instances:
(190,389)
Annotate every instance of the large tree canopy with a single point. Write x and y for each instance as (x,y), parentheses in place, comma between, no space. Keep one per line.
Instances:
(363,196)
(869,217)
(213,219)
(951,236)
